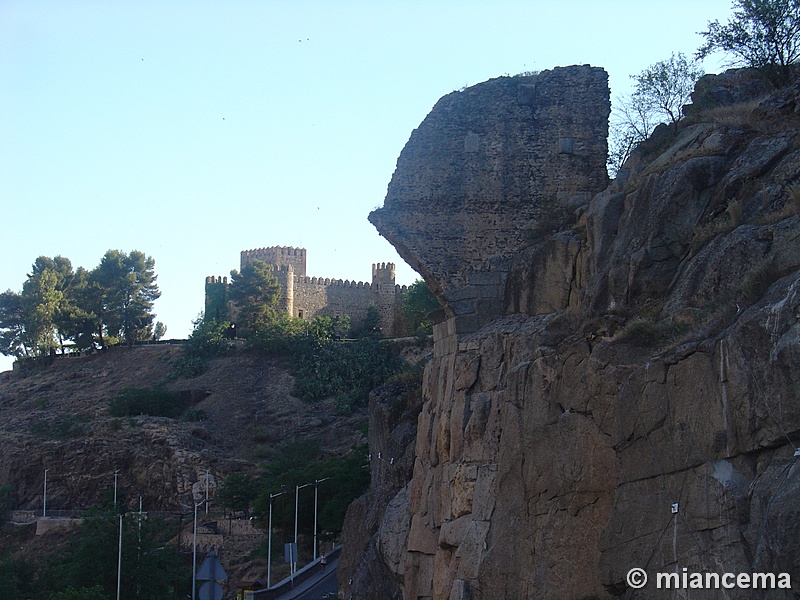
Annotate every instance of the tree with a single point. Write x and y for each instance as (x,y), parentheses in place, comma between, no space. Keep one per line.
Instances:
(41,300)
(159,331)
(761,33)
(86,323)
(418,303)
(255,292)
(148,561)
(12,325)
(237,492)
(660,93)
(128,284)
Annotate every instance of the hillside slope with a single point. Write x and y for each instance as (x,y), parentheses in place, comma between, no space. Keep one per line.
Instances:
(58,419)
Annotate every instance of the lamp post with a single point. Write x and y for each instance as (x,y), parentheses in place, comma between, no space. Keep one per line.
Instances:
(269,538)
(296,502)
(316,490)
(119,558)
(44,498)
(194,547)
(207,472)
(116,474)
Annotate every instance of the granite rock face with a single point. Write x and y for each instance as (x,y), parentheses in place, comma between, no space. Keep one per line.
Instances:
(636,401)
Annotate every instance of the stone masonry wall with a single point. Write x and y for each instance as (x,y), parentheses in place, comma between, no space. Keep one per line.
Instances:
(488,171)
(307,297)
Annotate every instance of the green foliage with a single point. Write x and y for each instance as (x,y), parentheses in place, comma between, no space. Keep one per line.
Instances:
(370,326)
(644,331)
(347,478)
(87,308)
(189,366)
(255,293)
(194,415)
(149,564)
(129,285)
(61,427)
(418,303)
(346,370)
(659,95)
(237,491)
(209,339)
(154,402)
(761,33)
(71,593)
(6,500)
(12,325)
(757,279)
(16,578)
(324,366)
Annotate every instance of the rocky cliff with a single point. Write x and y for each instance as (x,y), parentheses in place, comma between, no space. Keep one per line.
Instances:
(633,400)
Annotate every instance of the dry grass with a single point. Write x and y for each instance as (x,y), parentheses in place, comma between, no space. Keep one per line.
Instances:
(725,223)
(790,208)
(745,115)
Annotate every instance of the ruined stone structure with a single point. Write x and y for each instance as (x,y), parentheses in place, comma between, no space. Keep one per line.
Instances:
(306,297)
(490,169)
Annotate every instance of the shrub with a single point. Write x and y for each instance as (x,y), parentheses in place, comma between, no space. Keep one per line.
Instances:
(648,332)
(346,370)
(194,415)
(758,278)
(155,402)
(209,339)
(62,427)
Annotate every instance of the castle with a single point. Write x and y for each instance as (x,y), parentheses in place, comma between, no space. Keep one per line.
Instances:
(306,297)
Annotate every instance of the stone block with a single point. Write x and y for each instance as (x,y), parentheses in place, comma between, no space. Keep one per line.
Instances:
(421,538)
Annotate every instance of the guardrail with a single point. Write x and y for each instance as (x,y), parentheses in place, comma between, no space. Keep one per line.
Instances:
(285,586)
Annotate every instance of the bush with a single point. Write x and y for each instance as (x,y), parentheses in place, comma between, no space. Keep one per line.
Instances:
(346,370)
(209,339)
(62,427)
(154,402)
(6,501)
(189,366)
(194,415)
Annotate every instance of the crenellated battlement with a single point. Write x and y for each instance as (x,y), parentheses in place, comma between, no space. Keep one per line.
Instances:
(306,297)
(277,255)
(383,273)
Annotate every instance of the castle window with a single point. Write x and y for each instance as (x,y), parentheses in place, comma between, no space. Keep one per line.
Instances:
(300,313)
(566,145)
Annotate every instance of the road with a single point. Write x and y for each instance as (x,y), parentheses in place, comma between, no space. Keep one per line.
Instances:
(317,586)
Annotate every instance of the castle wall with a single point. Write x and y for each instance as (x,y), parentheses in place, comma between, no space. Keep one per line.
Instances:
(335,298)
(308,297)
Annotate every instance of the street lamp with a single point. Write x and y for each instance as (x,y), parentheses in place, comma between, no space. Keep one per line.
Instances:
(207,472)
(194,546)
(119,556)
(44,500)
(296,502)
(316,490)
(269,537)
(116,474)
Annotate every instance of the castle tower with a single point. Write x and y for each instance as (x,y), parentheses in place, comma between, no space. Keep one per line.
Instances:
(216,306)
(383,274)
(280,256)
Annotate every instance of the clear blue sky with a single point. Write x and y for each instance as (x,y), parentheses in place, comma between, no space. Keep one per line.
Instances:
(191,130)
